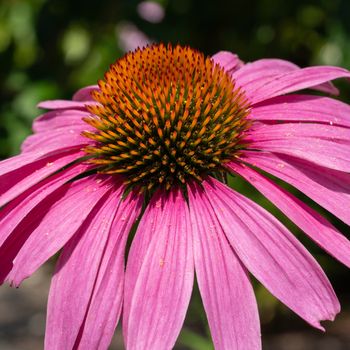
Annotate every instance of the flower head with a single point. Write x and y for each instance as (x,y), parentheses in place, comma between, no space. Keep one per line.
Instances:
(164,116)
(152,145)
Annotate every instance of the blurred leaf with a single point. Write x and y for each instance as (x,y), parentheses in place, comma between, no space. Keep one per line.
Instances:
(194,341)
(75,44)
(25,103)
(14,139)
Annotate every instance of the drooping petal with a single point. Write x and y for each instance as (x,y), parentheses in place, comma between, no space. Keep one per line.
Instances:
(228,60)
(17,162)
(327,87)
(84,306)
(100,322)
(327,187)
(75,276)
(62,104)
(159,274)
(322,144)
(311,222)
(292,81)
(258,71)
(59,224)
(288,131)
(273,255)
(12,244)
(18,182)
(147,228)
(323,152)
(15,211)
(255,74)
(84,94)
(60,119)
(15,169)
(56,140)
(224,285)
(303,108)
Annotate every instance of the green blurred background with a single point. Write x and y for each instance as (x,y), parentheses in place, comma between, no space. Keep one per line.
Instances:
(50,48)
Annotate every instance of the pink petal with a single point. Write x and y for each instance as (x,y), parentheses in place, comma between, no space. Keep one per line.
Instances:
(273,255)
(59,224)
(100,322)
(19,208)
(295,80)
(159,274)
(327,87)
(84,94)
(290,131)
(258,72)
(9,165)
(325,145)
(303,108)
(321,152)
(18,236)
(75,275)
(329,188)
(310,221)
(84,306)
(60,119)
(148,225)
(15,169)
(19,181)
(225,288)
(56,140)
(62,104)
(227,60)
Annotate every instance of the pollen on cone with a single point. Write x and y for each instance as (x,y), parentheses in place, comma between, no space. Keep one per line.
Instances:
(165,115)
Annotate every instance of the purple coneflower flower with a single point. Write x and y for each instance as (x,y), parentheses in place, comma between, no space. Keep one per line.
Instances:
(156,140)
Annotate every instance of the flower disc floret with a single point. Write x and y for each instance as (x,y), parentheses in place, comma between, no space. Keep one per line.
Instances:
(165,115)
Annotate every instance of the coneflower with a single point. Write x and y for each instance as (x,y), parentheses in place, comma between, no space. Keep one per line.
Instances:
(156,140)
